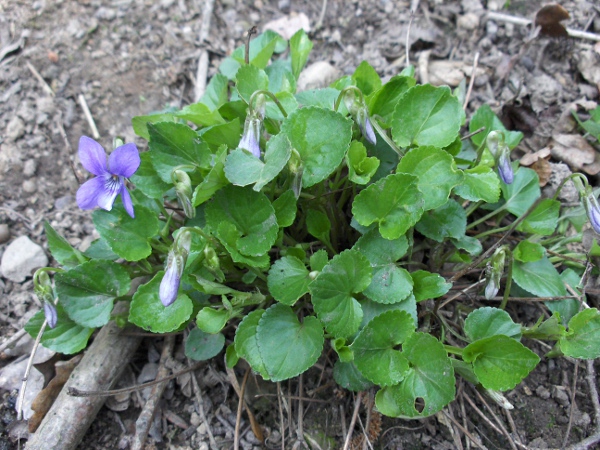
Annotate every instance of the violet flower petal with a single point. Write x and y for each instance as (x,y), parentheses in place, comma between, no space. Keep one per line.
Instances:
(127,203)
(124,161)
(92,156)
(50,314)
(505,169)
(88,192)
(593,213)
(368,132)
(169,286)
(110,189)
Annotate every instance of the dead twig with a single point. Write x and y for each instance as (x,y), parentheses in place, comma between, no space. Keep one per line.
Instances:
(88,116)
(200,401)
(572,406)
(21,398)
(594,438)
(11,340)
(47,89)
(144,421)
(201,73)
(471,81)
(492,15)
(238,416)
(357,403)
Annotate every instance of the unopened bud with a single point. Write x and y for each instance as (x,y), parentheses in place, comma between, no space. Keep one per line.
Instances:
(169,286)
(251,136)
(183,189)
(50,314)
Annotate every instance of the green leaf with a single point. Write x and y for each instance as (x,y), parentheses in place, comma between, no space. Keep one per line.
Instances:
(373,309)
(300,47)
(127,237)
(527,251)
(288,347)
(366,78)
(384,100)
(262,48)
(360,166)
(485,117)
(543,219)
(479,183)
(374,353)
(500,362)
(430,380)
(140,123)
(428,285)
(250,213)
(211,320)
(281,80)
(321,137)
(318,225)
(230,236)
(333,292)
(147,180)
(242,168)
(324,98)
(347,376)
(583,338)
(214,180)
(539,277)
(87,291)
(201,346)
(447,221)
(246,345)
(147,311)
(216,91)
(437,174)
(200,114)
(318,260)
(426,115)
(568,307)
(394,203)
(61,250)
(288,280)
(524,190)
(486,322)
(249,80)
(66,337)
(470,244)
(99,249)
(288,102)
(380,251)
(222,134)
(285,208)
(174,144)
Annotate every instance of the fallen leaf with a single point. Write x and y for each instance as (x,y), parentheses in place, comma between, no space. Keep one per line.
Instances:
(44,400)
(543,169)
(572,149)
(531,158)
(549,17)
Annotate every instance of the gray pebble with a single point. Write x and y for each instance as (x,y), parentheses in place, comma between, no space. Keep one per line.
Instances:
(560,395)
(29,186)
(45,105)
(105,13)
(542,392)
(29,167)
(4,233)
(63,202)
(15,129)
(21,257)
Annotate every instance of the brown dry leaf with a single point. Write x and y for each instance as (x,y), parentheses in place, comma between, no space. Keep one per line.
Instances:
(572,149)
(530,158)
(451,73)
(543,169)
(549,17)
(44,400)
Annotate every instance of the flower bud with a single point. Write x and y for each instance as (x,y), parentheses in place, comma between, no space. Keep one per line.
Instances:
(505,169)
(499,399)
(211,258)
(352,102)
(366,128)
(493,273)
(50,314)
(593,211)
(169,286)
(493,139)
(251,136)
(183,189)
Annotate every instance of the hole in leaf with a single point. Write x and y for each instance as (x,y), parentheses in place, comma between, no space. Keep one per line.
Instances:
(419,404)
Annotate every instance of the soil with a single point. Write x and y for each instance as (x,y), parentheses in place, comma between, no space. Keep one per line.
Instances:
(132,57)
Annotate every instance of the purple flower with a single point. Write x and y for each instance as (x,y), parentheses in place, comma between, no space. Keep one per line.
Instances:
(366,128)
(109,181)
(169,286)
(505,169)
(593,212)
(251,136)
(50,313)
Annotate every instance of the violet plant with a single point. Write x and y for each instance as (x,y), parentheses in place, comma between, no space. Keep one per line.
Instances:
(266,221)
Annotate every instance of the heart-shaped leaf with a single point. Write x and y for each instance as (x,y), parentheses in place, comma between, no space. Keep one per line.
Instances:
(288,280)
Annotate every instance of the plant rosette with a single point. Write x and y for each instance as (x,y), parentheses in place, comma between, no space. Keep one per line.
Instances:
(296,218)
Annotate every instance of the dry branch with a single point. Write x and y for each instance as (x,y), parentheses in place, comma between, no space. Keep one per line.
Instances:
(70,417)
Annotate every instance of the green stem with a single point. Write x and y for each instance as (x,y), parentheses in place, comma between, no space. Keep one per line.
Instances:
(494,231)
(271,96)
(385,137)
(486,217)
(508,284)
(453,350)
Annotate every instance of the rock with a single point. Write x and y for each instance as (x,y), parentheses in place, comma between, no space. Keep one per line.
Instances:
(542,392)
(287,26)
(4,233)
(20,258)
(15,129)
(29,186)
(45,105)
(560,395)
(105,13)
(318,75)
(29,168)
(468,22)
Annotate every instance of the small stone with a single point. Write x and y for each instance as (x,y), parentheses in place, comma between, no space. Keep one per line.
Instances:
(45,105)
(542,392)
(29,186)
(4,233)
(29,167)
(469,21)
(20,258)
(491,29)
(538,443)
(15,129)
(317,75)
(560,396)
(284,5)
(105,13)
(582,419)
(195,419)
(63,202)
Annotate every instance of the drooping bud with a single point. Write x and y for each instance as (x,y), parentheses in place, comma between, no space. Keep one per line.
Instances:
(501,152)
(169,286)
(296,168)
(366,128)
(505,169)
(593,210)
(50,314)
(493,273)
(492,141)
(183,189)
(251,136)
(499,399)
